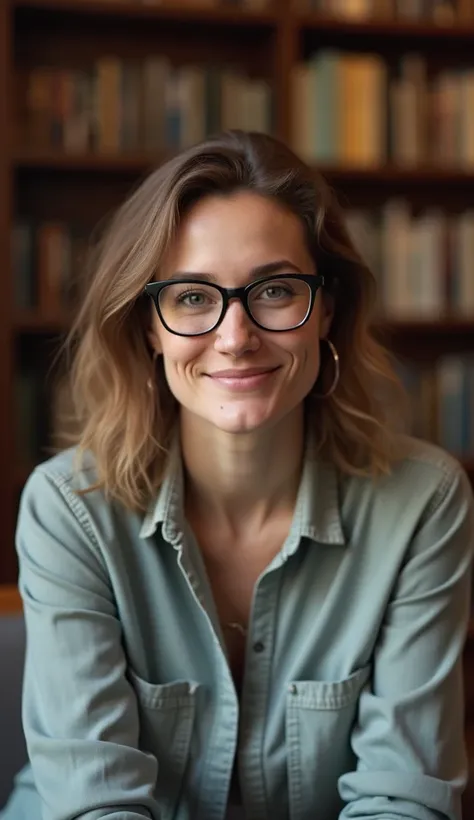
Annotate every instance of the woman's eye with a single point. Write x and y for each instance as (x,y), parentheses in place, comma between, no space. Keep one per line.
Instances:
(193,298)
(275,292)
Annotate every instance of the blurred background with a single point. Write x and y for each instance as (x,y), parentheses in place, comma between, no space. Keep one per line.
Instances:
(379,94)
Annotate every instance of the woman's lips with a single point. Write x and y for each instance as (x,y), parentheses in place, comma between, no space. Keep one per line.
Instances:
(244,379)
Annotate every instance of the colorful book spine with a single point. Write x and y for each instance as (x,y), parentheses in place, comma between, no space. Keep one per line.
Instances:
(118,107)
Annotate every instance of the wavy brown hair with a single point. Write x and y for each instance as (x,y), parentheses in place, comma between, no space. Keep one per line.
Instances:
(125,411)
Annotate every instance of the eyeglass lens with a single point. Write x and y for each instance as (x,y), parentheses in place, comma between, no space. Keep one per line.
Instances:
(279,304)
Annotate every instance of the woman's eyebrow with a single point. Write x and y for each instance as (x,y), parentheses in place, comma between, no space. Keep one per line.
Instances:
(255,273)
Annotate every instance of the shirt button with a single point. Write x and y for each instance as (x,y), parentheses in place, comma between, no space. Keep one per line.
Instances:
(258,646)
(293,690)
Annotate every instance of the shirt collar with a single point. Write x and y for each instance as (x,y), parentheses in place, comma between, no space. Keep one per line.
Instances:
(168,508)
(317,511)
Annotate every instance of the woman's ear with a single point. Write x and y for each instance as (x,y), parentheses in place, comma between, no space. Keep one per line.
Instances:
(154,340)
(327,315)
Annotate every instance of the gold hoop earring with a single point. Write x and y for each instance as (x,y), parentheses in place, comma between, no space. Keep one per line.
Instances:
(337,371)
(150,383)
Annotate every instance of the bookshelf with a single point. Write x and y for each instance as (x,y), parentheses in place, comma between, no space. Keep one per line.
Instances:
(267,41)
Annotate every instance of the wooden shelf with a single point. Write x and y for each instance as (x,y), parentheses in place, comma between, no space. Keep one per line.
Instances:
(395,30)
(336,174)
(10,600)
(397,175)
(179,12)
(311,21)
(50,159)
(424,341)
(448,326)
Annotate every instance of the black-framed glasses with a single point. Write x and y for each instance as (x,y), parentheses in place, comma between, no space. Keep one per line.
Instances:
(192,307)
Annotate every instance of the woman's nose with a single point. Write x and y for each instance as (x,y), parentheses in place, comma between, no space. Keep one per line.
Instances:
(236,334)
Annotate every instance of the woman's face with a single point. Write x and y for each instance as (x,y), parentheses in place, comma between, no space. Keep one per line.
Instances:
(228,239)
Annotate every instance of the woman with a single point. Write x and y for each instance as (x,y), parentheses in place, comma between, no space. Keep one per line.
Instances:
(250,596)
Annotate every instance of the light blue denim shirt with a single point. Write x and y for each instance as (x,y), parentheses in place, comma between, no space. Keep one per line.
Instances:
(352,697)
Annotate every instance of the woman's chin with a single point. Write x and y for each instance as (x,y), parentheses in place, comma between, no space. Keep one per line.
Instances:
(249,415)
(241,418)
(242,424)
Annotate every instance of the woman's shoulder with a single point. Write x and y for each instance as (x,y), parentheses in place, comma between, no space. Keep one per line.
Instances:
(65,488)
(67,465)
(62,502)
(434,476)
(422,478)
(68,471)
(426,499)
(421,460)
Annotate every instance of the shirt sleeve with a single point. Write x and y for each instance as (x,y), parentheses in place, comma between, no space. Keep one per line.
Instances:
(409,736)
(80,714)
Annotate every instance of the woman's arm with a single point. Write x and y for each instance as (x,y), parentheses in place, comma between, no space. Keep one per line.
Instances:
(409,738)
(79,712)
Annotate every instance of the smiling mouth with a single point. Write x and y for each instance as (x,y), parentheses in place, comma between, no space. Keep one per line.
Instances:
(243,379)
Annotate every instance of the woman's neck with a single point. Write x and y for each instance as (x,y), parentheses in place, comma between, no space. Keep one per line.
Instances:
(242,479)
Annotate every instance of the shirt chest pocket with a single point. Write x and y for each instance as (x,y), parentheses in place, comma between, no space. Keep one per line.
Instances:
(319,720)
(166,714)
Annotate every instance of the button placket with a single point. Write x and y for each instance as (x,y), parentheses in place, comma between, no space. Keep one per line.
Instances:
(257,683)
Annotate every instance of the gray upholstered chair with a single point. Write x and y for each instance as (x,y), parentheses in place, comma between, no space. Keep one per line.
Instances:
(12,743)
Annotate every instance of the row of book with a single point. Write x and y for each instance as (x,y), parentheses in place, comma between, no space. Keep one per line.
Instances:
(444,12)
(357,109)
(442,402)
(120,106)
(349,109)
(48,260)
(422,261)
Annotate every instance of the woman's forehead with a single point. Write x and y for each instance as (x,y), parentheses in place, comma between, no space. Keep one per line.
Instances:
(236,234)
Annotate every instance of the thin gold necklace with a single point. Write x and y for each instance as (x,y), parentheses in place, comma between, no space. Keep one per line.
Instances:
(236,627)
